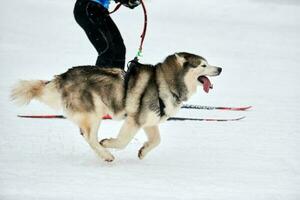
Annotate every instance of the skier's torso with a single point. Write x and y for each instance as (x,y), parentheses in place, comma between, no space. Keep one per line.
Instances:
(104,3)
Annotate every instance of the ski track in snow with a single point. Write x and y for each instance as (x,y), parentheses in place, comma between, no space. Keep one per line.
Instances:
(255,41)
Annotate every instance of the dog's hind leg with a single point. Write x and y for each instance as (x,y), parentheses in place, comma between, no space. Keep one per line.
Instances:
(153,141)
(127,132)
(89,125)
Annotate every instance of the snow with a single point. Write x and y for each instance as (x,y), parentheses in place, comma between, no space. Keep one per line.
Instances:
(255,41)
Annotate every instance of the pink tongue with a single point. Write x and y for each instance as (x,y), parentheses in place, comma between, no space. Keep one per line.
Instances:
(206,83)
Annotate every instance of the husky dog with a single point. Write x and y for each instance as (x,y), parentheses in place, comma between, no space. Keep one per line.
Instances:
(144,96)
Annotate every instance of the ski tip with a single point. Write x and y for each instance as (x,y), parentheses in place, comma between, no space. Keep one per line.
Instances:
(236,108)
(246,108)
(226,120)
(240,118)
(206,119)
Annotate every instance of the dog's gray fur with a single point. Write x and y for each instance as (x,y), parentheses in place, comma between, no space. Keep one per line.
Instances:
(144,96)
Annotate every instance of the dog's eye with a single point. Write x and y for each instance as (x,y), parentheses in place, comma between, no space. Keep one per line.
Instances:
(204,66)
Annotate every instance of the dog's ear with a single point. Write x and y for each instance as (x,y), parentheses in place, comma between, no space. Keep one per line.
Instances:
(180,59)
(193,61)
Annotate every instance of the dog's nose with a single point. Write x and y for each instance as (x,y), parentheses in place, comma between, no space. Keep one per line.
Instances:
(219,70)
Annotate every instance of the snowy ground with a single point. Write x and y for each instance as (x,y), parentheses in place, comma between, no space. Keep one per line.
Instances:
(255,41)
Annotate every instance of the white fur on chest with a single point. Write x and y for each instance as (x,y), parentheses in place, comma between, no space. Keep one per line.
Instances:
(191,82)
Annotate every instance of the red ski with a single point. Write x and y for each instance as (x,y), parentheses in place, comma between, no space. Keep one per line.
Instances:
(53,116)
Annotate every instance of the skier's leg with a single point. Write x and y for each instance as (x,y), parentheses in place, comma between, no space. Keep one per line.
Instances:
(111,48)
(117,47)
(101,44)
(92,18)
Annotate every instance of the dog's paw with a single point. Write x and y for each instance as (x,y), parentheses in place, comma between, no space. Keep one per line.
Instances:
(142,153)
(109,158)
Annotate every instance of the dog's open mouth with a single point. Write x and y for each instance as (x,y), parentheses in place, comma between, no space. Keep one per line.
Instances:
(206,83)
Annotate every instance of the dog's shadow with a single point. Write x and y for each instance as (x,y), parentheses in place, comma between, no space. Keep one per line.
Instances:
(92,161)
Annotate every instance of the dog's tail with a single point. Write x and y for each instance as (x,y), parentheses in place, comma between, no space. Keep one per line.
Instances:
(45,91)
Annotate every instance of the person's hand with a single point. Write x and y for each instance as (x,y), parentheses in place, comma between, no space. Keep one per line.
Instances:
(130,3)
(133,3)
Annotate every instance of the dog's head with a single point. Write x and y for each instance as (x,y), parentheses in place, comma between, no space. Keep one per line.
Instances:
(196,70)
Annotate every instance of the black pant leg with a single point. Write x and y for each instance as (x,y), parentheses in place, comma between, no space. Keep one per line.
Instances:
(102,32)
(117,48)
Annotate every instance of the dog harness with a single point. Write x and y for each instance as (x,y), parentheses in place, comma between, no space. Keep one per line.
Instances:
(132,69)
(162,107)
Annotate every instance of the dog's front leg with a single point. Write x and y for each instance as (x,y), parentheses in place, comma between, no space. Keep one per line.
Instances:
(153,140)
(127,132)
